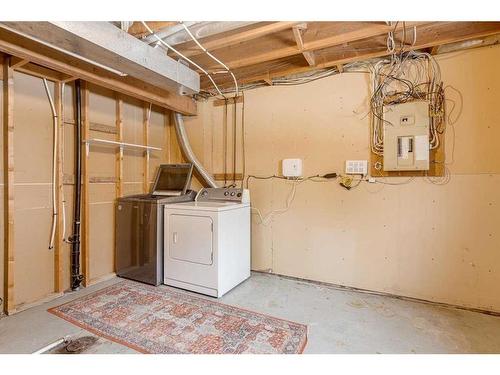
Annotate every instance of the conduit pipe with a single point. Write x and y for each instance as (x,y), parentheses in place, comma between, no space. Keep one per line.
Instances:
(54,165)
(76,277)
(182,138)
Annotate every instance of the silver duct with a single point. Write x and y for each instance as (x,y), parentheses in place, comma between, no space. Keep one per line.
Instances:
(182,138)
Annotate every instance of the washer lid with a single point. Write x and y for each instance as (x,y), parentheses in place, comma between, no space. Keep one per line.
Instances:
(207,206)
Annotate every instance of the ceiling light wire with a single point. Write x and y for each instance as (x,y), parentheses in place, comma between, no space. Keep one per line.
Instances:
(212,57)
(184,57)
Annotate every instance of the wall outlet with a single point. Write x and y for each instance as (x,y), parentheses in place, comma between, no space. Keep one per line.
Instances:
(292,167)
(356,167)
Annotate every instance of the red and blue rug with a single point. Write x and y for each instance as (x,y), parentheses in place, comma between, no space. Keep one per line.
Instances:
(166,320)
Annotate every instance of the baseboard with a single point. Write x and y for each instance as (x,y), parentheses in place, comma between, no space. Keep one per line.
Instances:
(29,305)
(390,295)
(100,279)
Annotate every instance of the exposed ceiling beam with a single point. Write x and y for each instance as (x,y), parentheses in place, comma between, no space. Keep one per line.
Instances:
(297,34)
(370,31)
(435,35)
(13,44)
(113,49)
(190,48)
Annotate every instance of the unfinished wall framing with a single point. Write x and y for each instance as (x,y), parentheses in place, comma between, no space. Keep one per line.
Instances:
(108,173)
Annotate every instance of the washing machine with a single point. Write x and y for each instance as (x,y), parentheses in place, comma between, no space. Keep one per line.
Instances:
(207,241)
(139,224)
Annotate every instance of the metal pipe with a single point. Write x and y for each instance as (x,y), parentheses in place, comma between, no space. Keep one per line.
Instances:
(182,138)
(76,277)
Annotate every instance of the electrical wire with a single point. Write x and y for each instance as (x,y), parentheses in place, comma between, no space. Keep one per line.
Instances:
(243,156)
(213,57)
(161,41)
(54,164)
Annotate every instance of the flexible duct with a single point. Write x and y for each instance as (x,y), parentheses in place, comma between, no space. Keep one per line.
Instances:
(182,138)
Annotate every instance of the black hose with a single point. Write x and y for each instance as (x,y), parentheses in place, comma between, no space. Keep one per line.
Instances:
(76,277)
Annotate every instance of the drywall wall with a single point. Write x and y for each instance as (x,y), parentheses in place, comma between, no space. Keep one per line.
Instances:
(418,239)
(34,262)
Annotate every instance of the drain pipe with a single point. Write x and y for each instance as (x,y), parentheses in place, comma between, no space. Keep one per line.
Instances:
(76,277)
(182,138)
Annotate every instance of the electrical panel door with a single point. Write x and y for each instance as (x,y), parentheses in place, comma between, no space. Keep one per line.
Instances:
(406,136)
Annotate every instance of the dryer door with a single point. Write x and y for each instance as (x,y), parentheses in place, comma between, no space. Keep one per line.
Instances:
(191,238)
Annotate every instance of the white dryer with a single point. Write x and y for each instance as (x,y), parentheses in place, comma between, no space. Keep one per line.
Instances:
(207,242)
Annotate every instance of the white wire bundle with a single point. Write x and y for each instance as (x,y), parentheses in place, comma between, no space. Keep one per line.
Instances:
(402,78)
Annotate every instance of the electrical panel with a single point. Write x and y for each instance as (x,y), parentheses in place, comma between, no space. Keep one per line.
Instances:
(356,167)
(406,136)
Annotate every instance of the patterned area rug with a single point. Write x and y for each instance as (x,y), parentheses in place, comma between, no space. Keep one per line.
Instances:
(166,320)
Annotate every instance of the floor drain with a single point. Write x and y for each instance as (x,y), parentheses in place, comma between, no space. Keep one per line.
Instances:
(77,345)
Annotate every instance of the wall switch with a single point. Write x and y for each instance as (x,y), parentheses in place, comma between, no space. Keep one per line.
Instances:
(292,167)
(356,167)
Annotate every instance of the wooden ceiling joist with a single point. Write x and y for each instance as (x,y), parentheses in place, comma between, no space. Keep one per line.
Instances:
(428,36)
(370,31)
(190,48)
(297,33)
(71,67)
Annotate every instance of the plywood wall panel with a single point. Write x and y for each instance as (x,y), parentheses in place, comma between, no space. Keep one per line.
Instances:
(133,133)
(418,239)
(33,138)
(102,198)
(157,138)
(34,276)
(101,105)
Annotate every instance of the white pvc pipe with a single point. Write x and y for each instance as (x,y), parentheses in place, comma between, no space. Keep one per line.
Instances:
(50,346)
(54,165)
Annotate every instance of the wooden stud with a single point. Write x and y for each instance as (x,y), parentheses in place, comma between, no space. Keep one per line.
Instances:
(145,122)
(8,161)
(59,244)
(340,68)
(85,237)
(119,150)
(118,162)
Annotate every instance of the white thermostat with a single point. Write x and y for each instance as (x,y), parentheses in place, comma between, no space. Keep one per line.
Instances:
(292,168)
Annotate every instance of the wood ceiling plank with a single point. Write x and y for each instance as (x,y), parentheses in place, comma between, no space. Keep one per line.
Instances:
(44,56)
(244,57)
(428,36)
(191,49)
(138,30)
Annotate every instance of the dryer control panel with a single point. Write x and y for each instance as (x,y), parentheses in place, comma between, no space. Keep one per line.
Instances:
(236,195)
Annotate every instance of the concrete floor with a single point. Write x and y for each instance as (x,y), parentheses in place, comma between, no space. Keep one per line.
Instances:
(339,321)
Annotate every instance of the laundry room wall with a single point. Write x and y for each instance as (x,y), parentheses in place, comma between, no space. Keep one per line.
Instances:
(34,262)
(417,239)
